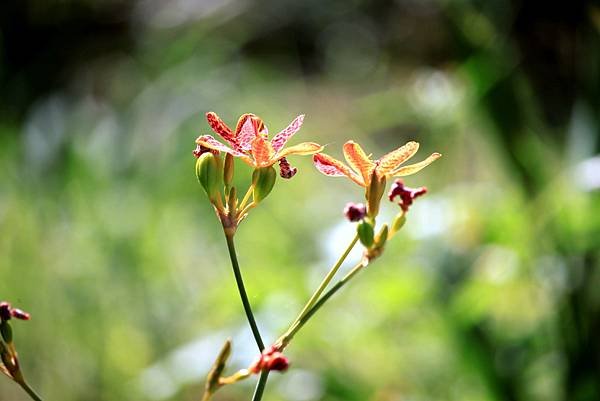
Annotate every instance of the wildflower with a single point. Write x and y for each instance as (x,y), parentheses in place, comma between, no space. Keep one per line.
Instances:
(355,211)
(270,359)
(249,142)
(407,195)
(362,169)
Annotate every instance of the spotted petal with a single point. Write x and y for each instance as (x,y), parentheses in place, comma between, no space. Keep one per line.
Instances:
(282,137)
(304,148)
(245,132)
(263,152)
(413,168)
(392,161)
(220,127)
(211,143)
(358,159)
(335,168)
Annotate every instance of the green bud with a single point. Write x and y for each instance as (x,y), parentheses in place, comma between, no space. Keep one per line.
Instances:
(232,199)
(6,331)
(207,171)
(398,222)
(374,194)
(212,381)
(263,180)
(382,237)
(228,170)
(365,232)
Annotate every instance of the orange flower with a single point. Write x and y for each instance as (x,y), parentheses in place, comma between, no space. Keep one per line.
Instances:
(362,167)
(249,141)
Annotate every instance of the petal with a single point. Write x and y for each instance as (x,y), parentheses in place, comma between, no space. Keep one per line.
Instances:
(209,142)
(220,127)
(358,159)
(392,161)
(245,132)
(335,168)
(281,138)
(413,168)
(304,148)
(263,152)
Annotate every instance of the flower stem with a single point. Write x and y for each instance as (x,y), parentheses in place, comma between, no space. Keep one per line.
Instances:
(246,197)
(260,386)
(284,339)
(30,391)
(242,290)
(302,321)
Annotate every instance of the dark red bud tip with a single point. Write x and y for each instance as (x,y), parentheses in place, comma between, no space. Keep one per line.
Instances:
(407,195)
(270,359)
(277,362)
(285,169)
(355,211)
(19,314)
(5,311)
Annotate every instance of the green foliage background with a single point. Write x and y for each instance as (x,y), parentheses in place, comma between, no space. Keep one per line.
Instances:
(491,292)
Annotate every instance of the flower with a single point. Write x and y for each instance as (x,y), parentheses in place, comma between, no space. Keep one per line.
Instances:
(249,142)
(407,195)
(362,167)
(355,211)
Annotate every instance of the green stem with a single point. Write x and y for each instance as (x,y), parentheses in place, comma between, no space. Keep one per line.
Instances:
(260,386)
(314,298)
(302,321)
(30,391)
(242,290)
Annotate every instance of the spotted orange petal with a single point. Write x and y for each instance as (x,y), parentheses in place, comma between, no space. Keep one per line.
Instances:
(335,168)
(211,143)
(413,168)
(358,159)
(304,148)
(392,161)
(263,152)
(220,127)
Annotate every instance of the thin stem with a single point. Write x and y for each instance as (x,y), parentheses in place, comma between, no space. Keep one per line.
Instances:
(302,321)
(313,299)
(30,391)
(242,290)
(260,386)
(246,197)
(246,209)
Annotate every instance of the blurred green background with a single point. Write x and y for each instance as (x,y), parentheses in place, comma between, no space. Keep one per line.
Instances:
(492,290)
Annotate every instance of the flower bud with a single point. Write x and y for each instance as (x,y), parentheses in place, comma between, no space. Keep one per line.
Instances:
(228,170)
(382,237)
(398,222)
(355,211)
(263,180)
(374,193)
(232,199)
(5,311)
(6,332)
(207,171)
(212,381)
(365,232)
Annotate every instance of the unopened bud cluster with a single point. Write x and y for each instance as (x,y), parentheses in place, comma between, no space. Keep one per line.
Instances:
(270,359)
